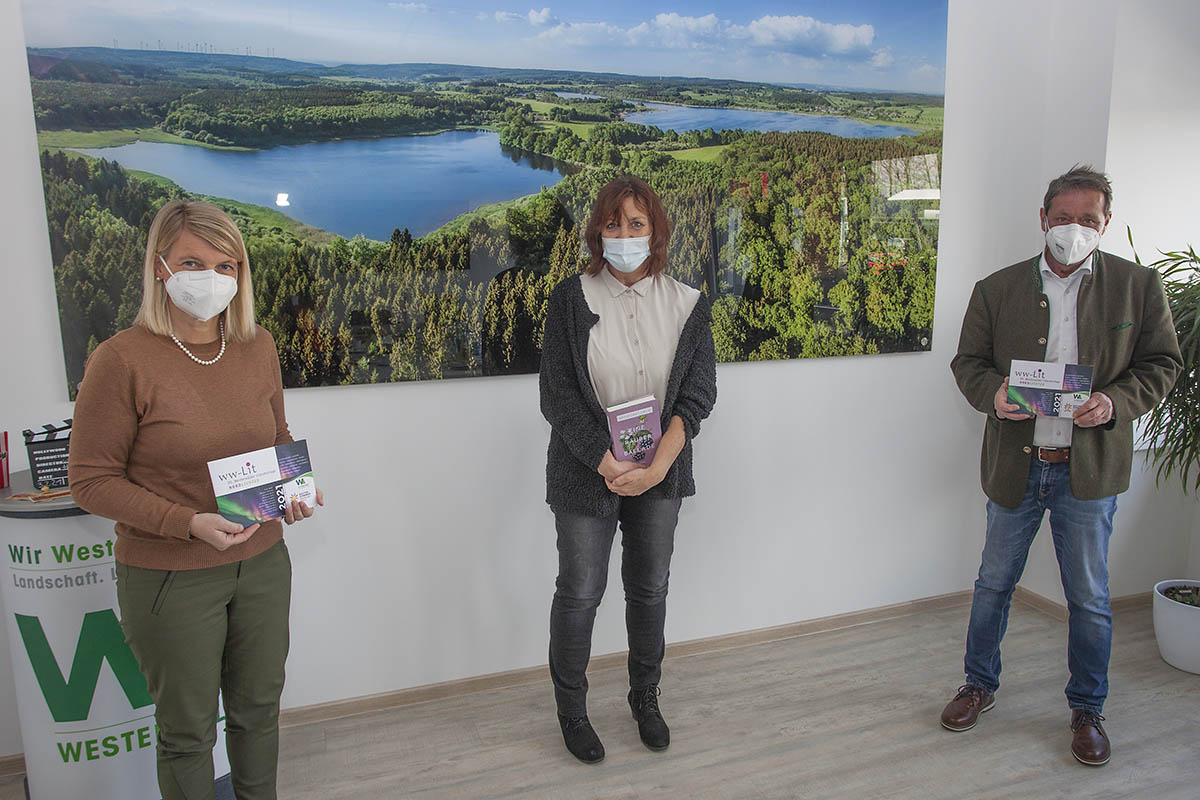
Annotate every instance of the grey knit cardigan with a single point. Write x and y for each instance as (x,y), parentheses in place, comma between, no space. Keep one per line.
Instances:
(578,425)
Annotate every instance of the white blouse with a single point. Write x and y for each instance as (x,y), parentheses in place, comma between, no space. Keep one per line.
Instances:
(632,347)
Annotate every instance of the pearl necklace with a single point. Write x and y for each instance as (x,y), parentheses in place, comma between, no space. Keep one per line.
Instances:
(192,355)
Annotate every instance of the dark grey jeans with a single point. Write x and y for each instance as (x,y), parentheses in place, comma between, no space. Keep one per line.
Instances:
(584,544)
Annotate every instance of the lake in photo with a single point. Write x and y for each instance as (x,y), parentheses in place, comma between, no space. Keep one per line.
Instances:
(353,186)
(692,118)
(373,186)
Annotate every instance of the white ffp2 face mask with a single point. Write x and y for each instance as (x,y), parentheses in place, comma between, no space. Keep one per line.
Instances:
(1071,244)
(626,255)
(200,293)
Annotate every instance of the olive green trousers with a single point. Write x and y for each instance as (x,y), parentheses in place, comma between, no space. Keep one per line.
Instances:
(199,632)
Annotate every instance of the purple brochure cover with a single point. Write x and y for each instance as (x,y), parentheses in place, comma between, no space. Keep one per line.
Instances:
(257,486)
(636,429)
(1049,390)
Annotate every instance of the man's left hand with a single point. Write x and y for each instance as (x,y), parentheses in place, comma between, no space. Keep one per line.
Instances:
(1098,410)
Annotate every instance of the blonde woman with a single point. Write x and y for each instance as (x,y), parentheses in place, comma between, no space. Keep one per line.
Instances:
(204,602)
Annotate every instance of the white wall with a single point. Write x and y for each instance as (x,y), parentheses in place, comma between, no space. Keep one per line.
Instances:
(1156,114)
(32,376)
(1148,79)
(1152,130)
(825,486)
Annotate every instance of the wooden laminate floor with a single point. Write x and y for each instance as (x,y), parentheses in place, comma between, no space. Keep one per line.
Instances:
(845,713)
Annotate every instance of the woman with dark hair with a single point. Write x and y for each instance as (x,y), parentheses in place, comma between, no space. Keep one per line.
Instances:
(621,331)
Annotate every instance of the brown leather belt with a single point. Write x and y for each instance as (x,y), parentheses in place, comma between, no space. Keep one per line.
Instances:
(1052,455)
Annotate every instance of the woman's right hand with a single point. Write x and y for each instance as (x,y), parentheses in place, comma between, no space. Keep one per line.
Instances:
(612,469)
(218,531)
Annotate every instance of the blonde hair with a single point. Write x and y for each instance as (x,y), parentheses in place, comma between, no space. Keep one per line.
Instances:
(216,228)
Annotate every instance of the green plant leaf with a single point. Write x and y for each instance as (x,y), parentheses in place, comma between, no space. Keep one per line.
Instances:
(1172,428)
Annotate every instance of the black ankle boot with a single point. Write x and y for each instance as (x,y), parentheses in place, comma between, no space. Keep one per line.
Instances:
(651,725)
(581,739)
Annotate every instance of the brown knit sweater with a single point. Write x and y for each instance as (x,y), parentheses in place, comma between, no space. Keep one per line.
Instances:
(148,420)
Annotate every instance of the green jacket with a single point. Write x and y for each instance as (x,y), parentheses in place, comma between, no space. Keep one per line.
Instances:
(1125,333)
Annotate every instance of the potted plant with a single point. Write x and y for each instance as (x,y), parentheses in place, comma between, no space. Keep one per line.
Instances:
(1177,623)
(1172,430)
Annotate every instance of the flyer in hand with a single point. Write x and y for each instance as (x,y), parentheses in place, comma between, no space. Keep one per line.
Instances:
(1049,390)
(636,428)
(258,486)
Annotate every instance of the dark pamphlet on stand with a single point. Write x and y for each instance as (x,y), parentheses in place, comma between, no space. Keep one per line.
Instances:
(48,449)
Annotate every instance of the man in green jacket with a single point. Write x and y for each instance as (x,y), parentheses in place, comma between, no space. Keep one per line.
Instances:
(1072,304)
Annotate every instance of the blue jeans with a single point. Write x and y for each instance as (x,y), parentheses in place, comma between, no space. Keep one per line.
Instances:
(1081,530)
(584,544)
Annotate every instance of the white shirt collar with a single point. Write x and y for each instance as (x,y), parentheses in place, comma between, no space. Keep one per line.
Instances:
(1083,269)
(616,288)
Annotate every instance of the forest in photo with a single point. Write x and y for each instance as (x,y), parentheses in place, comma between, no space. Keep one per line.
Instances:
(808,243)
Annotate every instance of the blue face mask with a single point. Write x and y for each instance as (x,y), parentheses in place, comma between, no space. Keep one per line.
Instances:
(626,255)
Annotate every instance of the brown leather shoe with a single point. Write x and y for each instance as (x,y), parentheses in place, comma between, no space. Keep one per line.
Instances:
(961,713)
(1089,745)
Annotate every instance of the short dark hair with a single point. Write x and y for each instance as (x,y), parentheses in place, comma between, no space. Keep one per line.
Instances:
(608,208)
(1080,176)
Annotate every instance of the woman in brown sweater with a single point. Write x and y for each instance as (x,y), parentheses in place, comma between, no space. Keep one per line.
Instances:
(204,601)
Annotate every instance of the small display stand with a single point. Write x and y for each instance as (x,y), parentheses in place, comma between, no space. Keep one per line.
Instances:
(87,721)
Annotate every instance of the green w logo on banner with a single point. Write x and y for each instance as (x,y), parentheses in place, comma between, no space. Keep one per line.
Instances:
(100,638)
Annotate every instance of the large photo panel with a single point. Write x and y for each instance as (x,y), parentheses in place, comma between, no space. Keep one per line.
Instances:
(412,179)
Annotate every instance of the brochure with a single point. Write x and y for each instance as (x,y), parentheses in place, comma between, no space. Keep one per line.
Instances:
(1049,390)
(258,486)
(636,429)
(44,496)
